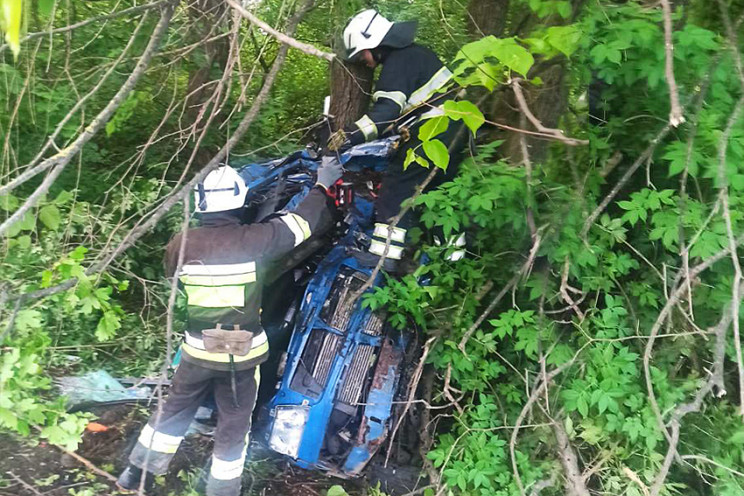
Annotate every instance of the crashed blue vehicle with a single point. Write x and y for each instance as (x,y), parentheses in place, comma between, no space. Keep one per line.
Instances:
(333,404)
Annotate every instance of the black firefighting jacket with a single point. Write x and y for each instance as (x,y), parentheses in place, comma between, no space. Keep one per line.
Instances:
(409,82)
(223,271)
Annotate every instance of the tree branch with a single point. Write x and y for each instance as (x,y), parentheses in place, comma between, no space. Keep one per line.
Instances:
(555,133)
(283,38)
(64,156)
(575,485)
(174,197)
(113,15)
(509,285)
(714,380)
(536,392)
(647,153)
(675,113)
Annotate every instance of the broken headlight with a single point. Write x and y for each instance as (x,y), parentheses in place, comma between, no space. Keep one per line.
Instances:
(289,425)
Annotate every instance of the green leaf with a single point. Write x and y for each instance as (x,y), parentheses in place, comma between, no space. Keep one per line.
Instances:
(10,23)
(8,418)
(676,154)
(28,319)
(513,56)
(45,7)
(22,242)
(8,203)
(470,67)
(569,426)
(27,223)
(63,197)
(78,253)
(437,153)
(564,9)
(50,216)
(467,111)
(433,127)
(565,39)
(603,52)
(107,326)
(737,438)
(412,156)
(337,491)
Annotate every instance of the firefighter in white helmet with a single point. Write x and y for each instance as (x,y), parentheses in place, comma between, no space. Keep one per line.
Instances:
(412,86)
(224,344)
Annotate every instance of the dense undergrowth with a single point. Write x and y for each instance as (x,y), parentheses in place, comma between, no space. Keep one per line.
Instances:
(609,342)
(578,312)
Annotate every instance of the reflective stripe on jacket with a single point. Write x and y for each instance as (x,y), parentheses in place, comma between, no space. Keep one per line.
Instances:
(223,271)
(410,78)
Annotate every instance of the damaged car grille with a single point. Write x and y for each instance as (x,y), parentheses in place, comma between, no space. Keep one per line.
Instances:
(337,310)
(357,375)
(374,324)
(316,361)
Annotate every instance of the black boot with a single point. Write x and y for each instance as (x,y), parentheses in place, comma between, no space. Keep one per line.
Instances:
(129,480)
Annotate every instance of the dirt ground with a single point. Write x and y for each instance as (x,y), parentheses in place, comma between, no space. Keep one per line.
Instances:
(34,470)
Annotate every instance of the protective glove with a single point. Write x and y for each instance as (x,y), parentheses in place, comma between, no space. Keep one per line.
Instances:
(329,172)
(337,141)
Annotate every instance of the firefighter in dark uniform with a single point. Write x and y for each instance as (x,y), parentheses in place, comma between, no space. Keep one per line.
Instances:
(224,343)
(410,90)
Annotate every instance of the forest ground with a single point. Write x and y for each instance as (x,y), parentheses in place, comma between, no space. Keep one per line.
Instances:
(40,469)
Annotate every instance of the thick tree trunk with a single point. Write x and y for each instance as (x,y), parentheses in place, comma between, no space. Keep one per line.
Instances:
(351,87)
(487,17)
(548,101)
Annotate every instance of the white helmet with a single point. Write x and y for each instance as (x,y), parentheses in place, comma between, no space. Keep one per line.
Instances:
(369,29)
(223,189)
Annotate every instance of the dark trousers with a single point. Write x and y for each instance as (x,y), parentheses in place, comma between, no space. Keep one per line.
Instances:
(162,436)
(398,184)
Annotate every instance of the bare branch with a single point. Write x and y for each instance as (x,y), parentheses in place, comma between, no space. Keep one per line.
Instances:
(113,15)
(575,485)
(412,386)
(724,195)
(63,157)
(676,118)
(283,38)
(169,330)
(527,179)
(554,133)
(714,380)
(509,285)
(534,395)
(647,153)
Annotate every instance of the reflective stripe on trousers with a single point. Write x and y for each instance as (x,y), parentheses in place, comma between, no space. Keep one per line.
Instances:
(158,441)
(226,471)
(190,386)
(379,240)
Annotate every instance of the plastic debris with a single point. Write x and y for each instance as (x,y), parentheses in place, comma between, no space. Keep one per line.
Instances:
(96,427)
(97,386)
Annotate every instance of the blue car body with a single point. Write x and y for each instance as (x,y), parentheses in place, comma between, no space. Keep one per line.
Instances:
(334,402)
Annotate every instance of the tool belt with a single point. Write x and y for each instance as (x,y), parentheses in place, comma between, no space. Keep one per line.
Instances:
(234,341)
